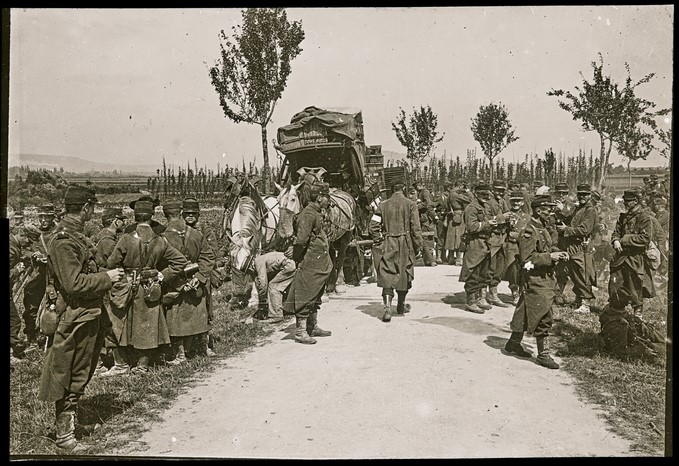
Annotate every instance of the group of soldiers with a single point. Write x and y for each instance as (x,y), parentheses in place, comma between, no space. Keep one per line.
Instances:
(142,290)
(534,241)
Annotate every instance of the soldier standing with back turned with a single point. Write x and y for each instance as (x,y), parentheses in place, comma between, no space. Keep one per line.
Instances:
(72,355)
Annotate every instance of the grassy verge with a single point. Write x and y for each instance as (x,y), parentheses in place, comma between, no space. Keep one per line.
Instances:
(115,411)
(630,393)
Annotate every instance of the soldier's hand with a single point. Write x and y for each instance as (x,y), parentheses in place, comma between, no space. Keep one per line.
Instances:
(559,205)
(20,267)
(492,222)
(161,276)
(617,246)
(115,274)
(556,256)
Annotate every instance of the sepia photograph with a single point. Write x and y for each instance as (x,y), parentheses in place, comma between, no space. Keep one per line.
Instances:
(339,233)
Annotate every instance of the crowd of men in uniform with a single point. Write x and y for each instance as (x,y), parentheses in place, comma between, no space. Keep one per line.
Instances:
(143,290)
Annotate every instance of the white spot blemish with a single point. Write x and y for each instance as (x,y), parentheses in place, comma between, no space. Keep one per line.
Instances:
(608,22)
(174,439)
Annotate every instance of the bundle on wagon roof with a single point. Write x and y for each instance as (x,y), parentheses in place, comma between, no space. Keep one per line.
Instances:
(331,138)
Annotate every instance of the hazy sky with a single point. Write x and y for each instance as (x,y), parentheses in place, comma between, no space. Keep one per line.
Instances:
(132,85)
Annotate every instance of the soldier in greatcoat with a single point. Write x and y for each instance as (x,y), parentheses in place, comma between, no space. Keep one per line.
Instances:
(18,242)
(428,219)
(34,290)
(113,221)
(631,278)
(533,312)
(575,236)
(498,209)
(518,219)
(563,212)
(311,253)
(457,201)
(71,357)
(191,216)
(187,312)
(148,260)
(156,226)
(476,259)
(395,229)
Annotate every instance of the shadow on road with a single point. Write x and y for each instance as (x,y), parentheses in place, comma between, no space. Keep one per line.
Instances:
(464,324)
(499,343)
(374,309)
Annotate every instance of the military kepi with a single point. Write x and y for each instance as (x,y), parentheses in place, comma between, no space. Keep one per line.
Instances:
(172,206)
(113,212)
(76,195)
(542,200)
(561,188)
(516,195)
(320,188)
(398,180)
(584,189)
(630,194)
(482,187)
(190,205)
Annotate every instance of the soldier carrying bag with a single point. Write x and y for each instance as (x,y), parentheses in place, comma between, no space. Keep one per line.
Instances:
(53,304)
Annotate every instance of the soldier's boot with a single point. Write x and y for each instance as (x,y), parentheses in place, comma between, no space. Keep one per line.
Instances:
(180,353)
(514,345)
(544,359)
(65,427)
(120,365)
(458,258)
(481,301)
(472,303)
(386,317)
(32,343)
(515,295)
(312,327)
(301,335)
(493,298)
(584,307)
(439,256)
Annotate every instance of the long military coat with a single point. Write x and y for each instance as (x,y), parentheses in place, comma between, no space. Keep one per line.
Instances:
(539,282)
(455,204)
(396,228)
(498,234)
(522,219)
(70,360)
(633,230)
(315,266)
(189,314)
(145,325)
(105,241)
(576,237)
(476,219)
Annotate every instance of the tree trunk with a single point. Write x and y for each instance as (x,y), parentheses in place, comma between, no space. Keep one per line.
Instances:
(604,168)
(629,174)
(265,153)
(602,162)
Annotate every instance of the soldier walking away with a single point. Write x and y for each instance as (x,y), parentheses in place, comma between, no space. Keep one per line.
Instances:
(156,226)
(311,253)
(71,357)
(441,200)
(148,260)
(518,219)
(457,201)
(631,278)
(533,312)
(499,209)
(395,229)
(476,259)
(575,237)
(113,221)
(428,219)
(186,303)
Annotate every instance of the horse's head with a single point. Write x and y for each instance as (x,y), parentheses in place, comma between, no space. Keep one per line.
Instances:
(290,204)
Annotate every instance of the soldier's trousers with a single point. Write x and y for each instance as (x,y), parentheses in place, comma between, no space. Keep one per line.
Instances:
(34,290)
(625,287)
(576,267)
(312,306)
(478,277)
(14,324)
(497,268)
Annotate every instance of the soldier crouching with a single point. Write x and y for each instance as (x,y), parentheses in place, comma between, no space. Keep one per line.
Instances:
(534,310)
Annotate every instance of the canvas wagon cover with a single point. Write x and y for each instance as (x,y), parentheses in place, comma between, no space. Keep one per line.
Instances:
(337,125)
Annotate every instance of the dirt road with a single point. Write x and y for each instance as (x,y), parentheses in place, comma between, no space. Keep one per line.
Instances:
(431,384)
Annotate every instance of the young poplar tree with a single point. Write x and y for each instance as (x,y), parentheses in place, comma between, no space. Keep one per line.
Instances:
(254,67)
(493,131)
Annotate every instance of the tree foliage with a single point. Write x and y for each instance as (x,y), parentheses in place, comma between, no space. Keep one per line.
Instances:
(493,131)
(254,67)
(602,105)
(418,133)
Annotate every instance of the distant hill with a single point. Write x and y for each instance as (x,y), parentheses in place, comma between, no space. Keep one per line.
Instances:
(76,164)
(392,156)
